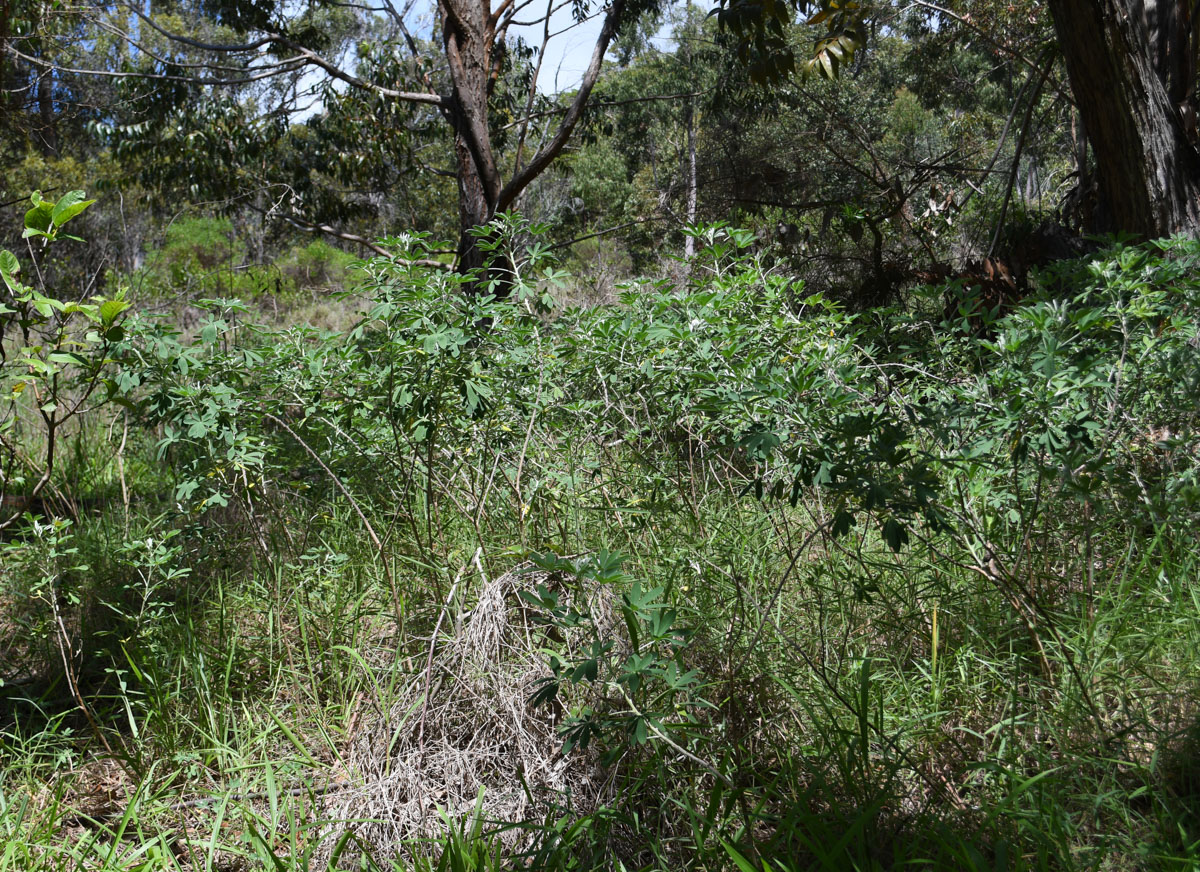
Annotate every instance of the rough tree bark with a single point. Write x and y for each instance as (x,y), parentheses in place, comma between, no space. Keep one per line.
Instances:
(1132,67)
(474,57)
(473,37)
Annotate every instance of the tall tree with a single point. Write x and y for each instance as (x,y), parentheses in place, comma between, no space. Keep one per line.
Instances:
(257,42)
(39,108)
(1132,66)
(646,122)
(1133,71)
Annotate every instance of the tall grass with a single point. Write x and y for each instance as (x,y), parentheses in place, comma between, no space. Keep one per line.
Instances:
(935,585)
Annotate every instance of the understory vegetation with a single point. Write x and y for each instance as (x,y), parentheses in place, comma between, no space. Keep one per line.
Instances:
(719,575)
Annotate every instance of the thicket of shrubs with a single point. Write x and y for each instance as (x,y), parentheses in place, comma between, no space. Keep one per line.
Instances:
(717,576)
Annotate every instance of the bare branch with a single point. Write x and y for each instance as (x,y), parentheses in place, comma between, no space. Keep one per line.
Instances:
(551,150)
(500,10)
(309,227)
(281,66)
(310,57)
(400,16)
(332,69)
(510,12)
(603,232)
(44,64)
(598,104)
(1016,162)
(537,70)
(224,48)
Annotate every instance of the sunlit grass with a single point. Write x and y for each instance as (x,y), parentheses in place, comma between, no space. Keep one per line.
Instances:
(1015,690)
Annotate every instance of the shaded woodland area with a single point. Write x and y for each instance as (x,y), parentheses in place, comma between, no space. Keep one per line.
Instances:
(775,451)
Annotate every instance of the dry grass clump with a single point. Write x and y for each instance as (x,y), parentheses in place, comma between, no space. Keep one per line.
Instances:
(463,726)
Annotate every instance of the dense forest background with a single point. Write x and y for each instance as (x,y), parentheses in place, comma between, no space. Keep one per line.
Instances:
(776,451)
(949,135)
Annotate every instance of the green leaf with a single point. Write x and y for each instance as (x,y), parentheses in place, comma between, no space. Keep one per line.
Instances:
(546,690)
(9,267)
(110,310)
(632,625)
(69,358)
(639,731)
(895,534)
(826,65)
(741,862)
(38,220)
(36,364)
(588,669)
(760,444)
(70,205)
(842,522)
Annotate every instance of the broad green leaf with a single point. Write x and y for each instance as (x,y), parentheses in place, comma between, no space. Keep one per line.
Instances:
(110,310)
(69,358)
(895,534)
(70,205)
(35,363)
(45,305)
(37,220)
(842,522)
(9,267)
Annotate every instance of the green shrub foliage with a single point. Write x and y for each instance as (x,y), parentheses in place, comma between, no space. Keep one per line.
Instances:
(791,569)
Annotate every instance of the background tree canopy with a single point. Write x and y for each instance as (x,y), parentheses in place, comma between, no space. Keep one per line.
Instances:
(353,122)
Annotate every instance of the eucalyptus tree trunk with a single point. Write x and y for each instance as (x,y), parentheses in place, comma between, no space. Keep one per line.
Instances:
(474,56)
(1133,67)
(473,38)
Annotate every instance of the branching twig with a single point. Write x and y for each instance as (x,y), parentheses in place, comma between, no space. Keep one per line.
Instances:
(337,482)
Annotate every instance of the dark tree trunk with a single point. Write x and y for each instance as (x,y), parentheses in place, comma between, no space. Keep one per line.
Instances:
(475,55)
(1132,67)
(468,35)
(474,207)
